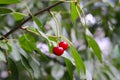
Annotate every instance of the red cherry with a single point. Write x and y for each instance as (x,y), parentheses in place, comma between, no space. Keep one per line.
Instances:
(64,45)
(58,51)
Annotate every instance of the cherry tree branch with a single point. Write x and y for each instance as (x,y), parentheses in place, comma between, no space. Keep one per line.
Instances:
(29,18)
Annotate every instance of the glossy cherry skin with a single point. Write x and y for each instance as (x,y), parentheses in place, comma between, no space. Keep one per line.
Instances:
(64,45)
(58,51)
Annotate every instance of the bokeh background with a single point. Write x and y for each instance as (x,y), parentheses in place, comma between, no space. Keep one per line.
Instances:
(102,18)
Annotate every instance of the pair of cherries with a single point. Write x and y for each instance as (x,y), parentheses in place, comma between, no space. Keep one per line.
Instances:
(59,50)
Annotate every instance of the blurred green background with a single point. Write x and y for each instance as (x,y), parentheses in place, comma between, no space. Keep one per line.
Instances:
(102,19)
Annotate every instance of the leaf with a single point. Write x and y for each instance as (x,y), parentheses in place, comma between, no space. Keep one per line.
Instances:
(37,32)
(27,42)
(2,56)
(36,68)
(12,67)
(3,52)
(78,61)
(35,60)
(43,57)
(33,30)
(53,38)
(69,68)
(50,45)
(40,33)
(39,24)
(55,23)
(9,1)
(92,43)
(106,68)
(5,11)
(74,13)
(18,16)
(43,35)
(9,47)
(68,56)
(25,62)
(27,66)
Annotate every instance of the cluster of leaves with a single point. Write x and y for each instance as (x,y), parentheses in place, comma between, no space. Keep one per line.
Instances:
(27,53)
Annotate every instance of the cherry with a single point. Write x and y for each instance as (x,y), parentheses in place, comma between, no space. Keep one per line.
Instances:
(64,45)
(58,51)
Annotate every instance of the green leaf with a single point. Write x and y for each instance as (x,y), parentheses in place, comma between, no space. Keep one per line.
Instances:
(92,43)
(69,68)
(25,62)
(74,13)
(50,45)
(107,67)
(27,66)
(43,35)
(78,61)
(9,1)
(18,16)
(43,57)
(9,47)
(40,33)
(39,24)
(33,30)
(12,67)
(33,58)
(27,42)
(53,38)
(2,56)
(37,32)
(5,11)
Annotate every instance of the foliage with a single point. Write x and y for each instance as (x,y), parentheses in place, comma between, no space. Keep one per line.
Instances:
(29,29)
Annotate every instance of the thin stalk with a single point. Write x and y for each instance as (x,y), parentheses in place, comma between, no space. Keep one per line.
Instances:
(57,28)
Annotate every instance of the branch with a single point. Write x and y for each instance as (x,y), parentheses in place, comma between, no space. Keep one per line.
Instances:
(24,21)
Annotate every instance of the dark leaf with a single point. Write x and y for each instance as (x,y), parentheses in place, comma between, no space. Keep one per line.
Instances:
(5,11)
(12,68)
(69,68)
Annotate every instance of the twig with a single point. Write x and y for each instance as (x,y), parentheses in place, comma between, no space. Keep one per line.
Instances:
(24,21)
